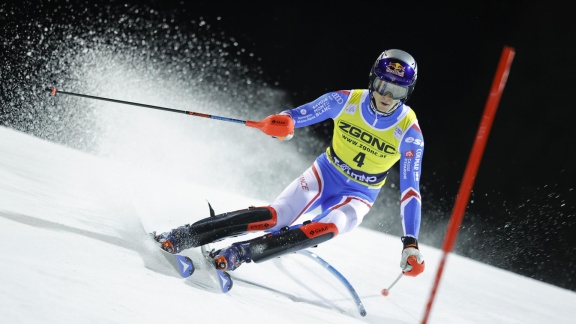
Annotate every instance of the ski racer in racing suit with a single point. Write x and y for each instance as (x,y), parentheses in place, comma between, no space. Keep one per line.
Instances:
(373,130)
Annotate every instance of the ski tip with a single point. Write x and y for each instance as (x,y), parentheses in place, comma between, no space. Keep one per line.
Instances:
(185,266)
(225,281)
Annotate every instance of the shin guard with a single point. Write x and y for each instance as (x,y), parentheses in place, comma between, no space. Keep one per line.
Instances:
(218,227)
(274,245)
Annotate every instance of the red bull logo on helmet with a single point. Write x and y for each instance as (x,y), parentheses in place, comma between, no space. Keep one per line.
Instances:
(396,69)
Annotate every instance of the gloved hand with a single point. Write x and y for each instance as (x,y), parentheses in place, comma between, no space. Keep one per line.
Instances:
(279,126)
(412,262)
(284,138)
(291,127)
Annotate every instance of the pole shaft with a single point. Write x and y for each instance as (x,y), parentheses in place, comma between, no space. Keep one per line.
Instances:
(54,91)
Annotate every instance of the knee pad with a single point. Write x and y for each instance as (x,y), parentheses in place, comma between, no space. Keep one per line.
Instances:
(218,227)
(292,240)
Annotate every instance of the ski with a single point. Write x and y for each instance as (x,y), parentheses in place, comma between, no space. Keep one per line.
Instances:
(180,263)
(224,279)
(196,266)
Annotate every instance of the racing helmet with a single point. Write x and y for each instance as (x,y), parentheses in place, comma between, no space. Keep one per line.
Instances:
(394,72)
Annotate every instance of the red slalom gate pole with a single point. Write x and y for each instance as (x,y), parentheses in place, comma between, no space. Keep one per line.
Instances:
(472,166)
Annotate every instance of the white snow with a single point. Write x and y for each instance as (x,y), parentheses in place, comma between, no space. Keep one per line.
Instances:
(74,250)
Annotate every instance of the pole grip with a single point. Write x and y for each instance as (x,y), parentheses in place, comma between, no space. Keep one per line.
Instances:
(274,125)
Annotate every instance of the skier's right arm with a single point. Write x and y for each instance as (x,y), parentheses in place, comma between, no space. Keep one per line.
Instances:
(328,105)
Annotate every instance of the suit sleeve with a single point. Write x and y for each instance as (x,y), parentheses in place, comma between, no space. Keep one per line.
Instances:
(329,105)
(412,152)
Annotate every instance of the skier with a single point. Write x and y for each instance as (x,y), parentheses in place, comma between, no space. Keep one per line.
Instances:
(373,129)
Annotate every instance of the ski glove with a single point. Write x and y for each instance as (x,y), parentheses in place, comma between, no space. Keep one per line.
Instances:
(412,262)
(284,138)
(290,127)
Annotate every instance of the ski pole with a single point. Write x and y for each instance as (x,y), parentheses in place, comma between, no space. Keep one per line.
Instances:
(275,125)
(386,291)
(340,277)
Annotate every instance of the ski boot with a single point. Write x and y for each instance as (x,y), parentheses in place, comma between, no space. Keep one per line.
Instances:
(176,240)
(230,258)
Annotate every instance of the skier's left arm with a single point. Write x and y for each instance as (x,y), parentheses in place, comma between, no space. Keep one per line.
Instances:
(412,152)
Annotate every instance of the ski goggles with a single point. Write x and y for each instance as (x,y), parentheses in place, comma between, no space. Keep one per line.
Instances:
(383,88)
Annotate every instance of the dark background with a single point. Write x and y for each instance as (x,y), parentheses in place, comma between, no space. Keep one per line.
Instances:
(521,216)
